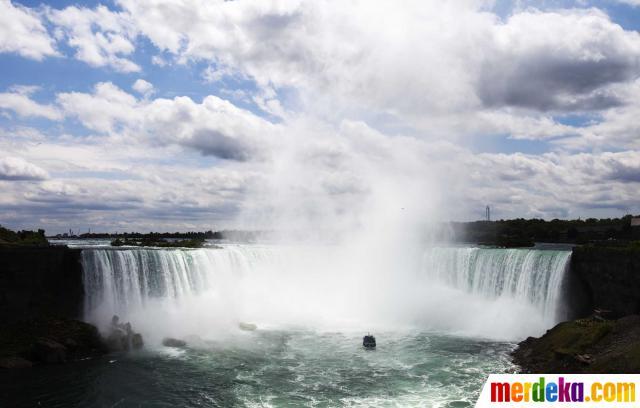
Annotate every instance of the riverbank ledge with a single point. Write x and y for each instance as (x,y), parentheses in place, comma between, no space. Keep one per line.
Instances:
(589,345)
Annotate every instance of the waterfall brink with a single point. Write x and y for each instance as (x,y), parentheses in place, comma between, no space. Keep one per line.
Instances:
(496,293)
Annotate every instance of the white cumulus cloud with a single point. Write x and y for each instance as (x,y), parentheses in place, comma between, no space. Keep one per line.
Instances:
(22,32)
(143,87)
(20,103)
(16,168)
(100,36)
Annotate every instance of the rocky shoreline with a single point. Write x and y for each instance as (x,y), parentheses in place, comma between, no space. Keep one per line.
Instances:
(591,345)
(54,340)
(48,341)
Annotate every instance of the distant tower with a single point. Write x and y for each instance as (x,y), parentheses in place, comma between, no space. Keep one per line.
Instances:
(488,213)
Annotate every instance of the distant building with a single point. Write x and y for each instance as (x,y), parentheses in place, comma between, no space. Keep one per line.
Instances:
(635,222)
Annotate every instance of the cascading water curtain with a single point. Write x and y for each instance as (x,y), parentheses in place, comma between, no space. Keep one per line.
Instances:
(190,289)
(119,280)
(527,275)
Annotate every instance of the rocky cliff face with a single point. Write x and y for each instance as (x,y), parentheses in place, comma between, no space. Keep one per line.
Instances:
(41,293)
(36,282)
(606,278)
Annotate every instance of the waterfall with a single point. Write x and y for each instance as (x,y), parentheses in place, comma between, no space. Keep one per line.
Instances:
(529,275)
(122,281)
(475,291)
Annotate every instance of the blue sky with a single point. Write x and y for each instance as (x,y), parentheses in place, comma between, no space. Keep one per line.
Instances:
(204,114)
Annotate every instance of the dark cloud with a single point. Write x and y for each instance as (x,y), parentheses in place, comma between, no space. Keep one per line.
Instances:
(20,177)
(549,83)
(69,212)
(213,143)
(62,204)
(608,205)
(561,60)
(626,174)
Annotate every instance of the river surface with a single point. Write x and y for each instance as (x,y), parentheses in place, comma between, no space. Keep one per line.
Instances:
(272,369)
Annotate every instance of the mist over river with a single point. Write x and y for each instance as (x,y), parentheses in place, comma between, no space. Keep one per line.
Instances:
(444,318)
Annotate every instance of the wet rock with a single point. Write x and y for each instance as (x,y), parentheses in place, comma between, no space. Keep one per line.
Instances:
(49,351)
(117,340)
(70,344)
(171,342)
(136,341)
(247,326)
(15,362)
(50,340)
(121,337)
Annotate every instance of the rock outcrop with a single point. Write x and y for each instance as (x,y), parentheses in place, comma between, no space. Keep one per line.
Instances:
(48,340)
(15,362)
(171,342)
(121,337)
(49,351)
(590,345)
(247,326)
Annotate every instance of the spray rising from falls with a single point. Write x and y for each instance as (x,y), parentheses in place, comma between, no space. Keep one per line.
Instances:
(470,291)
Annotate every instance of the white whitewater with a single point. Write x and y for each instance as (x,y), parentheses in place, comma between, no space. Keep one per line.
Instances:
(494,293)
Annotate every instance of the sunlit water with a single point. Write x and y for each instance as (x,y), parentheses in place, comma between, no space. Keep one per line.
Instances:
(273,369)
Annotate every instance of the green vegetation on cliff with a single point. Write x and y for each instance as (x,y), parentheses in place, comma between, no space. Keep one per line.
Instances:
(24,238)
(160,243)
(521,232)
